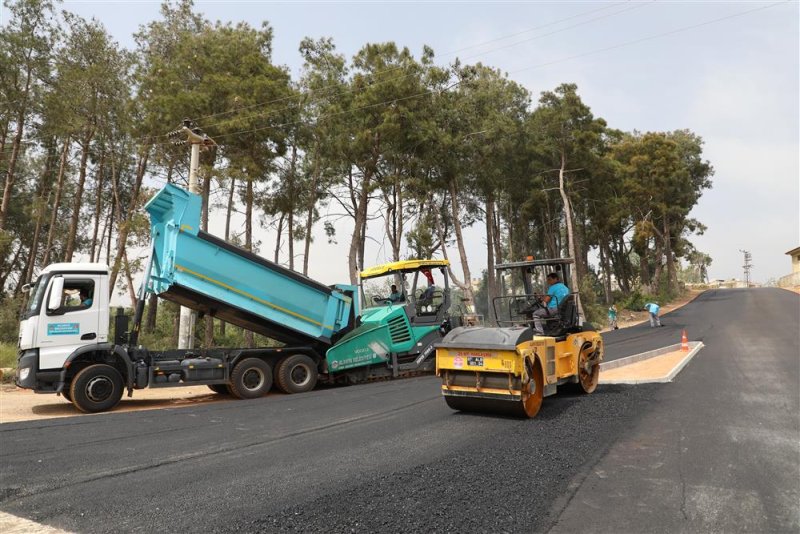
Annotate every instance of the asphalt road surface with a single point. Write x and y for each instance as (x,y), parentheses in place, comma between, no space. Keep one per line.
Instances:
(717,449)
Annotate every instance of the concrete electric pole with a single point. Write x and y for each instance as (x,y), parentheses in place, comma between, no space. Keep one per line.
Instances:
(197,140)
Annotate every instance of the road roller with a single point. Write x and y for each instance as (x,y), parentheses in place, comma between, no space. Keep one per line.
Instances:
(539,346)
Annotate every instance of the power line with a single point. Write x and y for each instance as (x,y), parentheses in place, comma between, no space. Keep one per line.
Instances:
(453,52)
(539,65)
(379,72)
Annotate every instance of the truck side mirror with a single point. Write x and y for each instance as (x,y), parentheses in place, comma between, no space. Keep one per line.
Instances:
(56,290)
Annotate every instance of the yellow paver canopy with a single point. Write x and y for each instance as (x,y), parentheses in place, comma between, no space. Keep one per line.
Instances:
(405,266)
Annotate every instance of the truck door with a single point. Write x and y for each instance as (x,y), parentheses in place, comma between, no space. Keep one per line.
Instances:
(73,323)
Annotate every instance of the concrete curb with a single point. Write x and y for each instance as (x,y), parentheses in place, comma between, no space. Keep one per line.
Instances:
(694,348)
(11,524)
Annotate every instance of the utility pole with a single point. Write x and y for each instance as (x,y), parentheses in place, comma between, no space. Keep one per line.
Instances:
(747,266)
(197,140)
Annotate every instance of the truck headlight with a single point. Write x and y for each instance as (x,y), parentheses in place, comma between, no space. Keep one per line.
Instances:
(24,372)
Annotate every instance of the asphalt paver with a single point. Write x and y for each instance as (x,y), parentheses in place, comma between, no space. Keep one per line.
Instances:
(391,456)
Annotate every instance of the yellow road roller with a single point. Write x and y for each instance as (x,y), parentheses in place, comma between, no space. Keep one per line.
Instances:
(539,345)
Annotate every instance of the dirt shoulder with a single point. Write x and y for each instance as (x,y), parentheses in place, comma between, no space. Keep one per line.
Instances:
(24,405)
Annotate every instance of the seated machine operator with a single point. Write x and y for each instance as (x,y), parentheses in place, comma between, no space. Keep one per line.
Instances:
(556,293)
(395,295)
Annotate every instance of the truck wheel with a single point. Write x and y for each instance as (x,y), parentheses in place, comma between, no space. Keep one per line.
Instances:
(222,389)
(96,388)
(251,378)
(296,374)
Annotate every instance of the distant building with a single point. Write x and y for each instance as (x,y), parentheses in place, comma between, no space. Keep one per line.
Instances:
(793,279)
(733,283)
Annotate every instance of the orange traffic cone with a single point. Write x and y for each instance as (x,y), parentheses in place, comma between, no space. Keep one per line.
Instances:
(684,342)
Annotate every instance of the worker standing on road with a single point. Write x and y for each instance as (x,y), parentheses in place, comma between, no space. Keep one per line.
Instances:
(612,317)
(653,309)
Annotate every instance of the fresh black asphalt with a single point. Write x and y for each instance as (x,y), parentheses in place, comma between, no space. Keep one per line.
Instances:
(391,456)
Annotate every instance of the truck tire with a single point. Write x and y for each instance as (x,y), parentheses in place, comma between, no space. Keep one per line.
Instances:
(296,374)
(222,389)
(251,378)
(96,388)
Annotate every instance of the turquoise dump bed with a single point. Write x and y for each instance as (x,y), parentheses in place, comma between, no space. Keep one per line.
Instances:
(205,273)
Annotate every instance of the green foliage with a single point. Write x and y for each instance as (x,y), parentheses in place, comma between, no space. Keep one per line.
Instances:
(10,307)
(635,301)
(385,138)
(8,355)
(594,311)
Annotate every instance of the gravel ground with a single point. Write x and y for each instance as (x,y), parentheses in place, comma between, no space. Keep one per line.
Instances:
(508,483)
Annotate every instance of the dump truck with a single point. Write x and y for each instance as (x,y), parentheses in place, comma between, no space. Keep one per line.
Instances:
(509,368)
(65,344)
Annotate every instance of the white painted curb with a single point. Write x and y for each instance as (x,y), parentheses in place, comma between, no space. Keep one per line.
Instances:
(694,348)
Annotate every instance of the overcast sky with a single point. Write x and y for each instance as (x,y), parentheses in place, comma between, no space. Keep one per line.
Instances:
(732,81)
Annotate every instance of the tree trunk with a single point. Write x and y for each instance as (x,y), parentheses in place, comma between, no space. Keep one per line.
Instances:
(644,267)
(498,245)
(15,149)
(124,226)
(491,280)
(279,238)
(672,275)
(208,335)
(176,325)
(464,286)
(229,210)
(605,265)
(98,207)
(248,243)
(110,225)
(129,278)
(152,313)
(462,251)
(76,209)
(290,215)
(56,203)
(354,256)
(41,206)
(11,269)
(621,264)
(655,283)
(570,233)
(312,201)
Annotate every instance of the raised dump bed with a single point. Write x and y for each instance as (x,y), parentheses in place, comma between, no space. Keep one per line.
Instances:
(197,270)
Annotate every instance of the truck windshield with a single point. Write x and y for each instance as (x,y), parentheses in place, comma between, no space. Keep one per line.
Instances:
(35,297)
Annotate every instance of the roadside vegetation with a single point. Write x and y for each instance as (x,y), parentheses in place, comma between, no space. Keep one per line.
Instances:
(8,355)
(392,140)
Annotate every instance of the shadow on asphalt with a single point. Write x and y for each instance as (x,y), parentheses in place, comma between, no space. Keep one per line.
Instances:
(52,409)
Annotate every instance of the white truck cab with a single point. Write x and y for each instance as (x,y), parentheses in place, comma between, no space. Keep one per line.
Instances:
(67,313)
